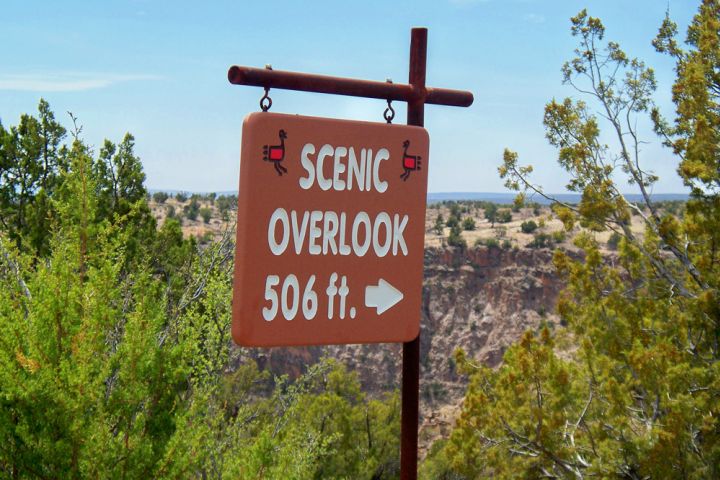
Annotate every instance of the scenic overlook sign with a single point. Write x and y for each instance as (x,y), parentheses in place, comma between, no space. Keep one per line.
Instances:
(331,224)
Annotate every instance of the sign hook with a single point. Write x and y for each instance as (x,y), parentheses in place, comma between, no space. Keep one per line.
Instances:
(266,101)
(389,112)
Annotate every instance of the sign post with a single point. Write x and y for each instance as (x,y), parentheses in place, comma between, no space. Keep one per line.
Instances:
(409,416)
(330,242)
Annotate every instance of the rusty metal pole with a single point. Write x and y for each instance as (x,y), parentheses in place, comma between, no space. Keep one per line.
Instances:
(309,82)
(411,350)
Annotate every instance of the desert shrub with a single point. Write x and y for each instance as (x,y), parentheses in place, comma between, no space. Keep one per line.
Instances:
(504,216)
(439,226)
(614,241)
(455,210)
(487,242)
(455,238)
(192,210)
(528,226)
(558,237)
(492,243)
(541,240)
(160,197)
(206,214)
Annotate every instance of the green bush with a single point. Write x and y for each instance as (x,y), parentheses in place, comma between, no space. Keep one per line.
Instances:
(455,238)
(160,197)
(452,221)
(468,224)
(192,210)
(492,243)
(439,226)
(504,216)
(206,214)
(614,241)
(528,227)
(487,242)
(541,240)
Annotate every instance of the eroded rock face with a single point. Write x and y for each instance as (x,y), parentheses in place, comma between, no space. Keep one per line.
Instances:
(479,299)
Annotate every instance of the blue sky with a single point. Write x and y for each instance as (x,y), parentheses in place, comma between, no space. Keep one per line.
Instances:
(158,69)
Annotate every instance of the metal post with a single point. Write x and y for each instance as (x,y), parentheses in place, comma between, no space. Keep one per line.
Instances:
(411,350)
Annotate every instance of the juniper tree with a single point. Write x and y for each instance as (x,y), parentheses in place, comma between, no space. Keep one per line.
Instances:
(635,395)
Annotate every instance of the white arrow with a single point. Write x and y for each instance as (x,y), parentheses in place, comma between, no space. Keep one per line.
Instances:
(383,296)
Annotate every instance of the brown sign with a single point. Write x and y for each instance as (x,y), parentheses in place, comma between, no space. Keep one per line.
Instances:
(331,225)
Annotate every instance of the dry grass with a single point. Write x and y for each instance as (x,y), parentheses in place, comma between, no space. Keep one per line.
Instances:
(501,232)
(510,231)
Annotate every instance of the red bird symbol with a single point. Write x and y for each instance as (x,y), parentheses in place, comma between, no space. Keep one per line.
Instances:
(276,153)
(410,162)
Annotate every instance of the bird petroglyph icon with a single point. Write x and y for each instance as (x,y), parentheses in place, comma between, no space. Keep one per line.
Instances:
(410,162)
(276,153)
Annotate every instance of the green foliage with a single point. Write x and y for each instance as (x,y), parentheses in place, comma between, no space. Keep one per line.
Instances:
(225,204)
(456,210)
(160,197)
(541,240)
(32,158)
(614,241)
(206,214)
(488,242)
(452,221)
(181,197)
(528,226)
(491,213)
(192,209)
(468,224)
(634,393)
(504,216)
(116,360)
(439,226)
(455,239)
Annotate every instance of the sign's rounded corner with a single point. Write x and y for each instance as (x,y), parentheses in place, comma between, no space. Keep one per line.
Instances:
(236,334)
(251,118)
(426,134)
(414,333)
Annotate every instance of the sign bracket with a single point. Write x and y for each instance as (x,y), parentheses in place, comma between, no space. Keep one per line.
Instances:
(416,94)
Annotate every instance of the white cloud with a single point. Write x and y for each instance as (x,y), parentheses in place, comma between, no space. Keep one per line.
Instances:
(534,18)
(66,82)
